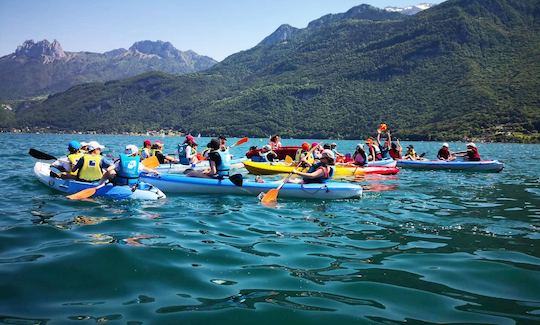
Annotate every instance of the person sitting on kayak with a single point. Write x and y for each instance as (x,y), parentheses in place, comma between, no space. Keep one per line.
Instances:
(267,154)
(145,151)
(128,167)
(84,147)
(444,153)
(471,154)
(275,142)
(186,153)
(157,150)
(219,160)
(374,152)
(316,150)
(91,165)
(65,164)
(395,150)
(303,157)
(410,154)
(385,148)
(359,156)
(222,143)
(337,154)
(320,172)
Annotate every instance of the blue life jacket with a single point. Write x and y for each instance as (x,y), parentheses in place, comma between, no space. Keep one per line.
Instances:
(182,152)
(328,173)
(128,173)
(225,165)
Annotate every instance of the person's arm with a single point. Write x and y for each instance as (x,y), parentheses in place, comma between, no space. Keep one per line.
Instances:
(316,174)
(78,165)
(389,140)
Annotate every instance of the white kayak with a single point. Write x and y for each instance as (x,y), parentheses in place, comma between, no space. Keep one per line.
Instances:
(144,191)
(177,183)
(386,162)
(202,165)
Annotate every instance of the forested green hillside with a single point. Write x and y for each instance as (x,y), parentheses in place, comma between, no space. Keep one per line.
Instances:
(465,68)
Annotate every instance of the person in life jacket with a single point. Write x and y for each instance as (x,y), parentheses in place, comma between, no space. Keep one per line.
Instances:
(444,153)
(395,150)
(359,156)
(91,165)
(128,167)
(316,150)
(65,164)
(265,154)
(320,172)
(187,153)
(471,154)
(219,160)
(411,153)
(385,148)
(275,142)
(157,150)
(145,151)
(303,157)
(374,152)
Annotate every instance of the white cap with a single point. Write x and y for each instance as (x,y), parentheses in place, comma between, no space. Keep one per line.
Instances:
(131,149)
(328,153)
(471,144)
(94,145)
(446,145)
(360,145)
(84,144)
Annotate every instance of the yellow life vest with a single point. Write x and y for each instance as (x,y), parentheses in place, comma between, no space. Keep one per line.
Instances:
(301,153)
(73,159)
(90,170)
(153,152)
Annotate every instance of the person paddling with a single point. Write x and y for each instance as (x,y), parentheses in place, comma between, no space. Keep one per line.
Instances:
(65,165)
(471,154)
(320,172)
(157,150)
(90,166)
(128,167)
(444,153)
(303,157)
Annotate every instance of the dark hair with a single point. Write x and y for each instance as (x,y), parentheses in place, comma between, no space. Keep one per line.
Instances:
(394,145)
(326,146)
(214,144)
(274,137)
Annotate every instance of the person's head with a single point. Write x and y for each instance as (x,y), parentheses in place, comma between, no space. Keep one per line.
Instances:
(159,144)
(369,141)
(305,146)
(394,146)
(315,145)
(471,145)
(326,146)
(84,146)
(222,139)
(445,146)
(275,138)
(95,147)
(333,145)
(74,146)
(360,146)
(190,140)
(410,147)
(147,143)
(214,144)
(327,157)
(131,150)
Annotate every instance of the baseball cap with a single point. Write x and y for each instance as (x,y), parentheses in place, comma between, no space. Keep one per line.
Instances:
(75,145)
(147,142)
(131,149)
(92,145)
(471,144)
(328,154)
(445,145)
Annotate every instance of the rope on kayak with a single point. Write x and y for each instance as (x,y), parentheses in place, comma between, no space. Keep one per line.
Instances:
(317,190)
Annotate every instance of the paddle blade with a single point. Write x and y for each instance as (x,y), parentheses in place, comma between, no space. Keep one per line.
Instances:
(237,179)
(84,194)
(40,155)
(241,141)
(288,159)
(270,198)
(151,162)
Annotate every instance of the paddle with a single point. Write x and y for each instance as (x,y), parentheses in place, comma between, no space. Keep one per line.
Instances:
(288,159)
(40,155)
(151,162)
(86,193)
(239,142)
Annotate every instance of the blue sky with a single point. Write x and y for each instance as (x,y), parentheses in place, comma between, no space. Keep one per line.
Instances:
(217,28)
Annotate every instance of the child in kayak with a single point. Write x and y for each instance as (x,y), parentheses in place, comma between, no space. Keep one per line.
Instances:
(303,157)
(65,164)
(359,156)
(395,150)
(157,150)
(90,166)
(187,154)
(320,172)
(145,150)
(275,142)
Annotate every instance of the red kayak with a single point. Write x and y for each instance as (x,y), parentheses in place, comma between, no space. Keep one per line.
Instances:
(281,152)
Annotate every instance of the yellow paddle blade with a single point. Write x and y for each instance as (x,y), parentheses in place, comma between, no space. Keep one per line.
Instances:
(151,162)
(84,194)
(270,198)
(288,159)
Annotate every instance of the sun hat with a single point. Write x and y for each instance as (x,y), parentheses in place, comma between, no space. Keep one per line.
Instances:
(147,142)
(131,149)
(471,144)
(74,145)
(93,145)
(446,145)
(305,146)
(327,154)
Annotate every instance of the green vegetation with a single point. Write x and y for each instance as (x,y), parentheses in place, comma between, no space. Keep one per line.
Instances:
(463,69)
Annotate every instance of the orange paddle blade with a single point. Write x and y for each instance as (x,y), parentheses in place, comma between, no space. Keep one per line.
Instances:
(241,141)
(84,194)
(270,197)
(151,162)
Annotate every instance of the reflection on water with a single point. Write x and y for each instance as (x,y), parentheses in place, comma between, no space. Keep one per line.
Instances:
(433,247)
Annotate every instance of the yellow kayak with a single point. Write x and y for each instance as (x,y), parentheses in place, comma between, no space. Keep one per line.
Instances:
(271,168)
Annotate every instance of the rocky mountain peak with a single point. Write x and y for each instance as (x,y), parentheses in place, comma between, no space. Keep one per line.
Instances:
(159,48)
(410,10)
(283,33)
(43,50)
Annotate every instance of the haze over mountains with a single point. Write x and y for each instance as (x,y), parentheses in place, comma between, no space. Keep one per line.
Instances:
(38,68)
(461,69)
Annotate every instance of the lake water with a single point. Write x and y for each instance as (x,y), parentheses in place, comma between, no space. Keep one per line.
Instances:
(421,246)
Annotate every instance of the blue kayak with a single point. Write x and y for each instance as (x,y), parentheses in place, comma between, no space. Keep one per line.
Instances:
(144,191)
(178,183)
(476,166)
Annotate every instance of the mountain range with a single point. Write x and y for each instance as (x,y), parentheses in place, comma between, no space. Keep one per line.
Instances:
(463,69)
(41,68)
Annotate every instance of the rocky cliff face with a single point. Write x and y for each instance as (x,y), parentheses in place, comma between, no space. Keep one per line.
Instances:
(410,10)
(38,68)
(283,33)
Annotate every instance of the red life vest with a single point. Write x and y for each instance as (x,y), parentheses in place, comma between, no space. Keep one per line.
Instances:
(472,154)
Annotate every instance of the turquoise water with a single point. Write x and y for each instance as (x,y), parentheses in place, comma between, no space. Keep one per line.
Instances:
(421,246)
